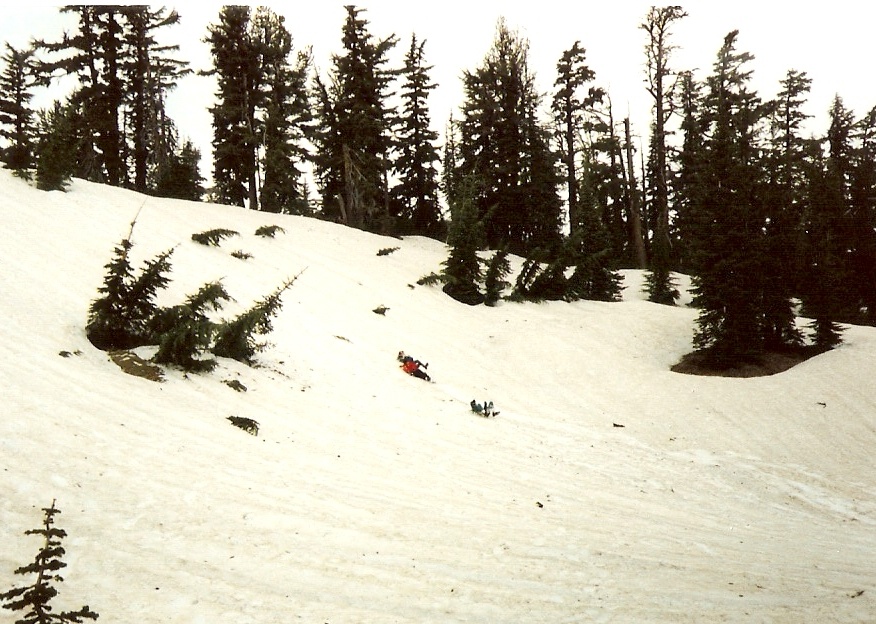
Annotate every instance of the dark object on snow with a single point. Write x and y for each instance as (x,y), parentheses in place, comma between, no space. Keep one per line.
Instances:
(380,310)
(616,425)
(247,424)
(413,367)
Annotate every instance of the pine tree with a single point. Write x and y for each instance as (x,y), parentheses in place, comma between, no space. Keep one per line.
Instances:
(415,197)
(568,107)
(46,565)
(149,72)
(286,116)
(57,148)
(122,317)
(784,200)
(185,331)
(353,134)
(688,183)
(179,176)
(462,269)
(728,286)
(235,65)
(863,216)
(495,283)
(503,144)
(16,117)
(236,339)
(590,251)
(659,50)
(826,287)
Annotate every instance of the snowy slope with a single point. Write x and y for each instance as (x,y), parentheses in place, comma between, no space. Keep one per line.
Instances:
(370,496)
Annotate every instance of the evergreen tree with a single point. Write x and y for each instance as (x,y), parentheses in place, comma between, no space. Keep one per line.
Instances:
(415,197)
(688,183)
(590,250)
(57,148)
(179,176)
(185,331)
(828,226)
(568,107)
(80,57)
(353,134)
(236,339)
(16,117)
(462,269)
(728,287)
(286,116)
(658,26)
(863,216)
(503,144)
(494,281)
(37,598)
(236,67)
(784,200)
(122,317)
(149,72)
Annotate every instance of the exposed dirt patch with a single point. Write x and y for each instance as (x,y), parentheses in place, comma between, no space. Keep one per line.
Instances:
(765,364)
(133,364)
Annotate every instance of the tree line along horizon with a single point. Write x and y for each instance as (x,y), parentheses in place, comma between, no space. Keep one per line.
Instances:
(770,224)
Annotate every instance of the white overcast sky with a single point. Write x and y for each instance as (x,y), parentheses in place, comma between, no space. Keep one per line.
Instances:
(832,42)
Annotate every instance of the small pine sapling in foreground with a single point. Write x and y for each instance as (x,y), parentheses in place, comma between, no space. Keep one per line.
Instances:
(268,231)
(185,331)
(235,339)
(36,597)
(213,237)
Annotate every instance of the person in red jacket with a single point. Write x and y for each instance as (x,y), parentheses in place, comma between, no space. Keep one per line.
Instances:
(413,367)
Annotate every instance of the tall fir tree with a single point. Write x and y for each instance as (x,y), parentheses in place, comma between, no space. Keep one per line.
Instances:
(150,72)
(235,65)
(354,130)
(415,197)
(503,143)
(863,216)
(729,241)
(571,99)
(658,25)
(286,118)
(828,227)
(57,147)
(17,81)
(784,199)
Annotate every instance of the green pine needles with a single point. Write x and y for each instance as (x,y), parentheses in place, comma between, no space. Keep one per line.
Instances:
(126,316)
(235,339)
(35,598)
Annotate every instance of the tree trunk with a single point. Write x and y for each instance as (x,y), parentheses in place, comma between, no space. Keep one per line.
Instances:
(633,209)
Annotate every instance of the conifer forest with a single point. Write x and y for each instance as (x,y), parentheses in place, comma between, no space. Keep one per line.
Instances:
(772,222)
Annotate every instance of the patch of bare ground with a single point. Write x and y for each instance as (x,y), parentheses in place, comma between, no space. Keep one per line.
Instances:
(761,365)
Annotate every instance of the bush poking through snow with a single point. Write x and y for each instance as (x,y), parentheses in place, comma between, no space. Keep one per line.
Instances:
(213,237)
(36,597)
(269,231)
(386,251)
(247,424)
